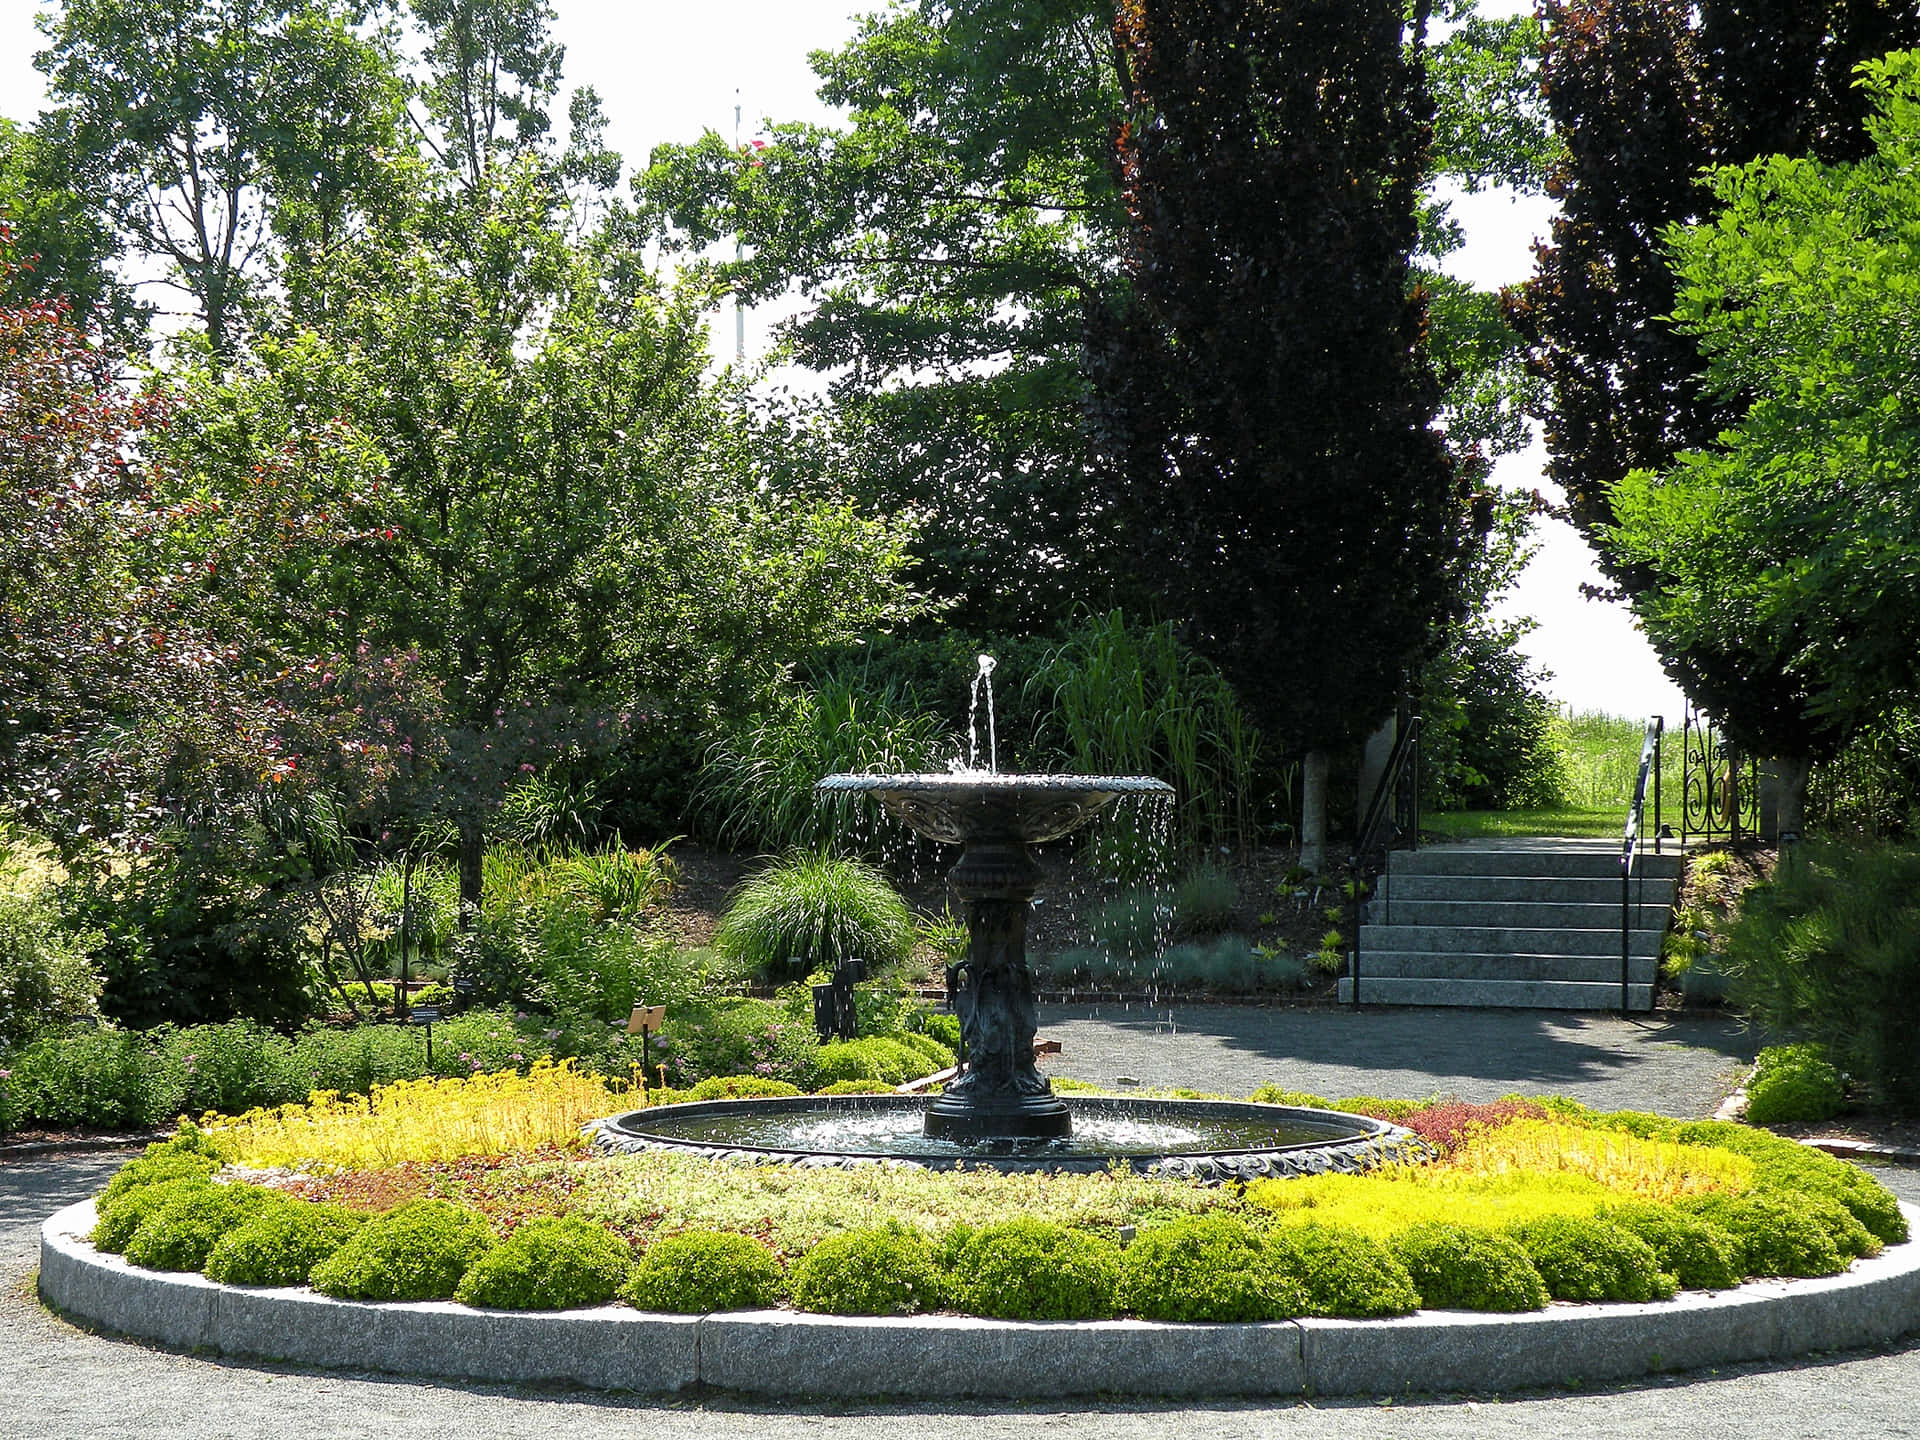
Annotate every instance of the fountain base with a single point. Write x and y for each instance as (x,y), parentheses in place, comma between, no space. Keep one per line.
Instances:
(1037,1117)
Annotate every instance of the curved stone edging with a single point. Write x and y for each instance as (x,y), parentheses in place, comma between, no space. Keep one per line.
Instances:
(776,1352)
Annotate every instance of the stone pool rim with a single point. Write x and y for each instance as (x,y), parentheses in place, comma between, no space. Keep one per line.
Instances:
(1370,1142)
(783,1353)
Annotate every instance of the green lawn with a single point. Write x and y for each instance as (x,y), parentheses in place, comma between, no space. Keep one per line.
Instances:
(1480,824)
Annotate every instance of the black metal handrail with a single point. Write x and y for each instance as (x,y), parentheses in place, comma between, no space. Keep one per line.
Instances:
(1630,849)
(1402,761)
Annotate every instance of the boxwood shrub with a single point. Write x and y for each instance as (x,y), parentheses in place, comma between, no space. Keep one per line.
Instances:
(1344,1272)
(884,1271)
(1028,1269)
(160,1164)
(280,1244)
(883,1059)
(554,1262)
(701,1270)
(1455,1267)
(1793,1082)
(1698,1254)
(1775,1235)
(122,1215)
(1208,1267)
(180,1234)
(739,1087)
(418,1251)
(1586,1259)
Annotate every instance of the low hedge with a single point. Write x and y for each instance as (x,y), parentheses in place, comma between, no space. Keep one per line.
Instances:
(1345,1273)
(120,1218)
(1030,1269)
(1775,1236)
(1455,1267)
(1698,1254)
(281,1244)
(1588,1259)
(553,1262)
(419,1251)
(181,1232)
(888,1270)
(1208,1268)
(701,1270)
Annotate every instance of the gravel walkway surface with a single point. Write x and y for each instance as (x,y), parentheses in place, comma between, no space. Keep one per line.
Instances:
(59,1383)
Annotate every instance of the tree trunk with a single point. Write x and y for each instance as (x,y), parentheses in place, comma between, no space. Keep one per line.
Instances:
(1313,812)
(473,845)
(1793,772)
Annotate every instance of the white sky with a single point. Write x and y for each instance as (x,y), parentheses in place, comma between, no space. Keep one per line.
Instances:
(667,71)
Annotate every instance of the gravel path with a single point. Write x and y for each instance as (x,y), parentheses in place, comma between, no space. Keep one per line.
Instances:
(59,1383)
(1674,1067)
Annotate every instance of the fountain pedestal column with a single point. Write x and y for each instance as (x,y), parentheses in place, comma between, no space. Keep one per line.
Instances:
(999,1092)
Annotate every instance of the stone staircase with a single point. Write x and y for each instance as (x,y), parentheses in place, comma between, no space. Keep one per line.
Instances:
(1512,923)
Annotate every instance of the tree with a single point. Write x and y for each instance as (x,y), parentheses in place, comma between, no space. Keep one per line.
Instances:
(1645,94)
(1791,538)
(198,126)
(1262,401)
(957,236)
(543,500)
(62,248)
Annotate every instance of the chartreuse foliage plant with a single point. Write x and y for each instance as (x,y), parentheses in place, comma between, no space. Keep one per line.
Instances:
(701,1270)
(553,1262)
(1587,1258)
(419,1251)
(1345,1272)
(1697,1253)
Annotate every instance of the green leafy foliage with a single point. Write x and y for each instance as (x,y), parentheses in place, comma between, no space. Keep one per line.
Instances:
(1793,1082)
(881,1060)
(737,1037)
(1776,1235)
(1698,1254)
(811,912)
(701,1270)
(553,1262)
(1455,1267)
(1031,1269)
(1590,1259)
(1209,1268)
(281,1244)
(882,1271)
(162,1164)
(180,1233)
(418,1251)
(739,1087)
(1343,1272)
(48,977)
(121,1217)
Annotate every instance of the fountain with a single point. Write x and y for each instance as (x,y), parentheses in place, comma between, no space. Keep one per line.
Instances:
(999,1110)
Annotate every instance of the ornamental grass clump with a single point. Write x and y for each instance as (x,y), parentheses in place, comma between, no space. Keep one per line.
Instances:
(1456,1267)
(810,912)
(553,1262)
(416,1252)
(1590,1259)
(1698,1254)
(424,1120)
(281,1244)
(889,1270)
(1029,1269)
(180,1234)
(701,1270)
(1209,1268)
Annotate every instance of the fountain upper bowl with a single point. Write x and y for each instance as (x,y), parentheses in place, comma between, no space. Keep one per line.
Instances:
(966,805)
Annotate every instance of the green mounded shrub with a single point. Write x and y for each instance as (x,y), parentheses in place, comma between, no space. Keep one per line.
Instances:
(1299,1099)
(418,1251)
(180,1234)
(1204,902)
(855,1087)
(1455,1267)
(1029,1269)
(1585,1259)
(1697,1253)
(280,1244)
(935,1053)
(882,1271)
(122,1216)
(881,1059)
(48,976)
(1344,1272)
(1793,1082)
(1208,1268)
(1783,1165)
(737,1036)
(939,1025)
(701,1270)
(740,1087)
(554,1262)
(158,1166)
(810,912)
(1775,1236)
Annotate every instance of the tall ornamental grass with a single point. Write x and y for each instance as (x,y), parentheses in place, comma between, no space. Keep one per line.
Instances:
(810,912)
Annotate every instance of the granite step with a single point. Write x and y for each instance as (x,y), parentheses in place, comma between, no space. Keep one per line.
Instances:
(1509,994)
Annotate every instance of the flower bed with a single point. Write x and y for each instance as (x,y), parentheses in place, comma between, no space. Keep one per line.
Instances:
(1529,1202)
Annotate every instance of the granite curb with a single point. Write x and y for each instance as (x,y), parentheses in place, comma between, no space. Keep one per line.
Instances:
(35,1149)
(781,1353)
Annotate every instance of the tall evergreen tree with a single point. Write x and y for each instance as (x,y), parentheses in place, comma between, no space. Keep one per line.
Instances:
(1262,402)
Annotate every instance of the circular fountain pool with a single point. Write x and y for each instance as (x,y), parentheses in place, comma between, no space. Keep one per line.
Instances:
(1202,1139)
